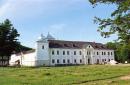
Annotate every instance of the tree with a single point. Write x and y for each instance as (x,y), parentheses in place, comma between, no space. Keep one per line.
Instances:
(122,51)
(118,23)
(8,39)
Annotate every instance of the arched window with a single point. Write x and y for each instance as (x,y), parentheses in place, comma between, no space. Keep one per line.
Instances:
(43,47)
(68,61)
(111,53)
(97,53)
(57,52)
(80,53)
(53,61)
(53,52)
(58,61)
(80,60)
(74,52)
(63,60)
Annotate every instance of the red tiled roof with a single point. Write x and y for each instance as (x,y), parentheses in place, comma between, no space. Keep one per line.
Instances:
(25,52)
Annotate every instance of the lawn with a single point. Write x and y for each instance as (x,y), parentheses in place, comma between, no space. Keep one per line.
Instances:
(72,75)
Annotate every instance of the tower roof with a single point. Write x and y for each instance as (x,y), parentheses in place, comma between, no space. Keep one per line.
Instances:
(41,38)
(50,37)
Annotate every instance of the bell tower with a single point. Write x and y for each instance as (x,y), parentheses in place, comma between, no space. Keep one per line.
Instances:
(42,52)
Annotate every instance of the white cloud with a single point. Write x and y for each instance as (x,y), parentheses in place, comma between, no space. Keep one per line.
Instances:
(4,9)
(32,8)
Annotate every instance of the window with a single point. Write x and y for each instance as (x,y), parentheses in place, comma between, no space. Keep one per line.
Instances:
(97,53)
(108,53)
(104,53)
(80,60)
(63,52)
(53,61)
(97,61)
(74,52)
(80,53)
(102,60)
(68,52)
(63,60)
(43,47)
(109,60)
(74,45)
(57,52)
(111,53)
(66,45)
(58,61)
(89,53)
(89,46)
(53,52)
(74,60)
(68,61)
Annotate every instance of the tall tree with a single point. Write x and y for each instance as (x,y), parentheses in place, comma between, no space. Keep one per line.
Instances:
(118,23)
(8,39)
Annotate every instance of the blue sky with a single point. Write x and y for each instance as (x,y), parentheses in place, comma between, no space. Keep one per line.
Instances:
(64,19)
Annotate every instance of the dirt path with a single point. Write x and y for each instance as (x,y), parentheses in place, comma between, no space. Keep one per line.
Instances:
(125,77)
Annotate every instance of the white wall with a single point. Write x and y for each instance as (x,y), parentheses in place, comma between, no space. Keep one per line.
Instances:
(42,54)
(45,56)
(93,56)
(25,59)
(71,57)
(101,57)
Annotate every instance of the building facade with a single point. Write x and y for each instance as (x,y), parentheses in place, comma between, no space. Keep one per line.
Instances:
(51,52)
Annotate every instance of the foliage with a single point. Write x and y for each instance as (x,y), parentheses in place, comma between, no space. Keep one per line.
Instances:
(122,51)
(8,38)
(118,23)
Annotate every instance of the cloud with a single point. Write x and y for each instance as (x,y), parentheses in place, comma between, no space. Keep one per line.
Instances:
(4,9)
(32,8)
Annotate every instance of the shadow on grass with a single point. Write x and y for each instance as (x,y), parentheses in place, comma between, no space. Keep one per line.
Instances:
(81,82)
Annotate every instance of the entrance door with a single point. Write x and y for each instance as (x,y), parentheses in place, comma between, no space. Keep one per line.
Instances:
(88,61)
(97,61)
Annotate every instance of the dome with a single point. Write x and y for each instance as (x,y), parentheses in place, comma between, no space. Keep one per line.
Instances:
(41,38)
(50,37)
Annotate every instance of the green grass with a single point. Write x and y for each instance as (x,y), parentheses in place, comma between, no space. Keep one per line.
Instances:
(73,75)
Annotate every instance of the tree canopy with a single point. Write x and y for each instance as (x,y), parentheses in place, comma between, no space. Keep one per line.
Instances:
(8,38)
(118,23)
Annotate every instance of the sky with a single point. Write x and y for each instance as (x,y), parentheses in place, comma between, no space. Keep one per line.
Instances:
(64,19)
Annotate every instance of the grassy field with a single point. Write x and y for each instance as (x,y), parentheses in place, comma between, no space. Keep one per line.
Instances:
(73,75)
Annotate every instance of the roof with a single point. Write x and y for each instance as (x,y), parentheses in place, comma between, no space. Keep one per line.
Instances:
(75,44)
(25,52)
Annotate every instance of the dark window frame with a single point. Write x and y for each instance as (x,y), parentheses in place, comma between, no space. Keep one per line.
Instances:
(74,52)
(53,60)
(63,52)
(63,60)
(53,52)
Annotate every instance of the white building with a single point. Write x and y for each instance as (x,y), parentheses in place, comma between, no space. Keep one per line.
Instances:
(51,52)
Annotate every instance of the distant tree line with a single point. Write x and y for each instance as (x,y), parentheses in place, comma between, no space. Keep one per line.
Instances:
(122,51)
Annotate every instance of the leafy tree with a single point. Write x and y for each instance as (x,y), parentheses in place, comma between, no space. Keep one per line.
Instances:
(8,38)
(122,51)
(118,23)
